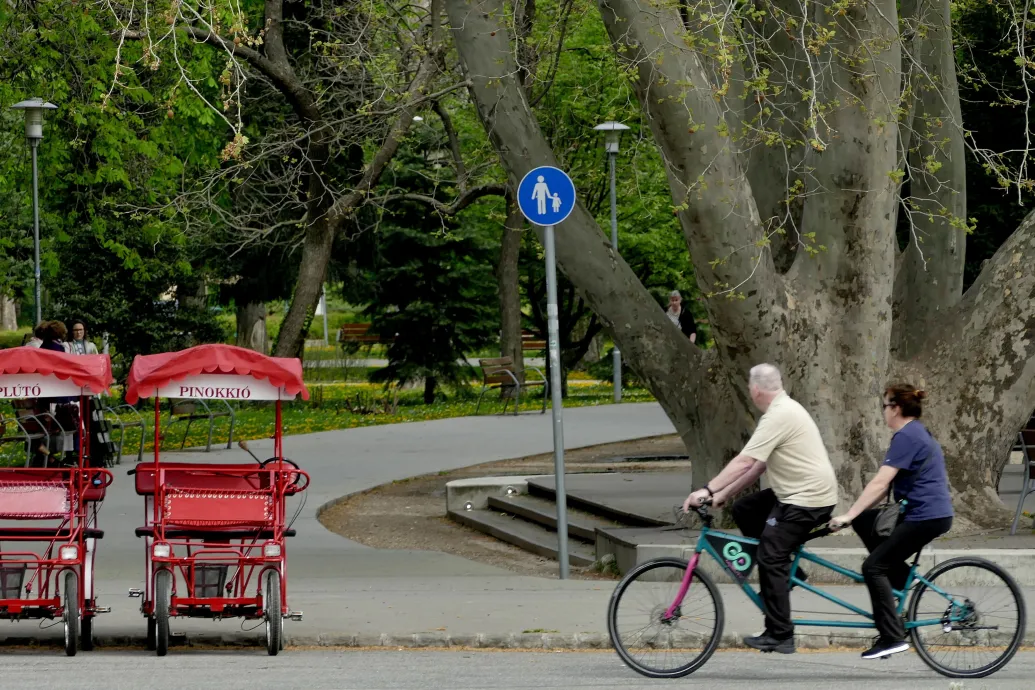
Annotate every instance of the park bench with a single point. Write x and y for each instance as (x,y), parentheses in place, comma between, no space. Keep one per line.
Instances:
(33,427)
(196,409)
(1026,445)
(12,430)
(359,333)
(530,342)
(498,372)
(117,422)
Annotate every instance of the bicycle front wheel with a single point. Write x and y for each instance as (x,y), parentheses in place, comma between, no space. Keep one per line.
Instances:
(975,614)
(647,641)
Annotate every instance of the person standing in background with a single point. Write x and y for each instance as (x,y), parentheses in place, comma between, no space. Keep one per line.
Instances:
(36,339)
(53,336)
(77,342)
(681,316)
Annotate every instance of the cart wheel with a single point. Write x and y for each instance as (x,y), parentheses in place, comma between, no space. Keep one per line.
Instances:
(274,616)
(71,617)
(151,634)
(163,602)
(86,634)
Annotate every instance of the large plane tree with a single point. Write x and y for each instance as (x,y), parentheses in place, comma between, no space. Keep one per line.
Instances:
(798,138)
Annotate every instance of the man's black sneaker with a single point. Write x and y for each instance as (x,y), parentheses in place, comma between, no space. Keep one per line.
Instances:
(801,575)
(767,643)
(884,648)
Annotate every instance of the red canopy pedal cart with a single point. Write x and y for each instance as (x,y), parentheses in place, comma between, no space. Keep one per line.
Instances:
(215,532)
(48,514)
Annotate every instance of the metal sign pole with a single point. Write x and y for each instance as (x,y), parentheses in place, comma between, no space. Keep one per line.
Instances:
(555,397)
(617,361)
(546,197)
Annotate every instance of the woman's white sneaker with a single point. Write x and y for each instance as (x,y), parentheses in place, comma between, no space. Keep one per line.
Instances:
(883,648)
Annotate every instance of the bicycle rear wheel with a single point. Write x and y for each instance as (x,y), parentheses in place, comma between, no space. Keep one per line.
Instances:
(651,645)
(980,618)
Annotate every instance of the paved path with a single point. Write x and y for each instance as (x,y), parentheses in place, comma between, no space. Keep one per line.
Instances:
(355,595)
(351,670)
(327,573)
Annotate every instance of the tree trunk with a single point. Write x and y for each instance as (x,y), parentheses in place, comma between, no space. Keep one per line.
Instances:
(251,326)
(8,314)
(929,280)
(510,296)
(430,383)
(316,254)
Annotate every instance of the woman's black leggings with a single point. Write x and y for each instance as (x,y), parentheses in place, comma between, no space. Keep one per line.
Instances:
(887,566)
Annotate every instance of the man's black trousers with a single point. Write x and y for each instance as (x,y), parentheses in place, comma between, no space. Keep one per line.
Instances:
(780,528)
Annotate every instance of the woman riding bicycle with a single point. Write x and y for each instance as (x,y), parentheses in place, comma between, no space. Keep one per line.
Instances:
(915,468)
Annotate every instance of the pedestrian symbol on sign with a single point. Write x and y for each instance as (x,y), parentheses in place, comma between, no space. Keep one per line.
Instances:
(546,196)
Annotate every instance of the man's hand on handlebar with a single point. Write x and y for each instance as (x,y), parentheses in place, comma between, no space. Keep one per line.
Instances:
(697,499)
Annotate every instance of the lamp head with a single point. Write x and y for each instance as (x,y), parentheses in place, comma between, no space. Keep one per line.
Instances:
(34,108)
(612,134)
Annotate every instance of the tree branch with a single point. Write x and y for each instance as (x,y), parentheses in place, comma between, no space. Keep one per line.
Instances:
(462,202)
(708,184)
(426,71)
(281,75)
(565,13)
(454,145)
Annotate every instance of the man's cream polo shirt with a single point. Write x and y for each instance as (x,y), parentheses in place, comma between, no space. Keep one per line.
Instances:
(787,440)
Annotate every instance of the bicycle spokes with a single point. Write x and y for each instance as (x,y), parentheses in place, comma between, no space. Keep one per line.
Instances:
(967,630)
(661,628)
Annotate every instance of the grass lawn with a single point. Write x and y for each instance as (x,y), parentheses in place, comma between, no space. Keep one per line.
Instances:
(336,406)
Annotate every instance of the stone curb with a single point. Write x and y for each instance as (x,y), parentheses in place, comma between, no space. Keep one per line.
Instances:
(441,640)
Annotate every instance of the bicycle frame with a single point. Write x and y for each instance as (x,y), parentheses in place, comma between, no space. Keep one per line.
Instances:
(735,565)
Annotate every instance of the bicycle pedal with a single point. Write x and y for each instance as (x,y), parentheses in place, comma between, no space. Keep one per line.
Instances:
(133,593)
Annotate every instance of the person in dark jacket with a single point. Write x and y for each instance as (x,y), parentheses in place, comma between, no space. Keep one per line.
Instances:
(53,335)
(681,316)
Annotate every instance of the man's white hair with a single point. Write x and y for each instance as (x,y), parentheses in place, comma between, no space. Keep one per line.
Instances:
(766,378)
(675,293)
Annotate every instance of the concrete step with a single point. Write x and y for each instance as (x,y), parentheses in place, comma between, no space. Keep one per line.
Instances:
(630,511)
(523,534)
(581,525)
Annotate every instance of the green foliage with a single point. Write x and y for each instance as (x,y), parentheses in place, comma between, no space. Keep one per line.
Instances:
(433,295)
(996,111)
(428,283)
(102,161)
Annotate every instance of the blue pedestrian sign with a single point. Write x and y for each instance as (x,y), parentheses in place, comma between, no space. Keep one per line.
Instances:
(546,196)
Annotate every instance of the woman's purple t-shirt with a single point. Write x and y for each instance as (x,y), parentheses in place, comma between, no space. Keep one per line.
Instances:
(921,479)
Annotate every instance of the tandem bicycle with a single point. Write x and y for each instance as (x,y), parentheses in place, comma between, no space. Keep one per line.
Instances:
(965,617)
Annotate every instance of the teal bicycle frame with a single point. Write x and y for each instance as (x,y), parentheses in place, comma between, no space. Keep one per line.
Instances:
(958,610)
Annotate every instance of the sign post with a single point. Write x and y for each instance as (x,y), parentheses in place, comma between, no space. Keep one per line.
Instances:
(546,197)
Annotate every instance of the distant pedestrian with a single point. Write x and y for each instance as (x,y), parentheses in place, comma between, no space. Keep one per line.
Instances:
(53,336)
(77,342)
(681,316)
(36,339)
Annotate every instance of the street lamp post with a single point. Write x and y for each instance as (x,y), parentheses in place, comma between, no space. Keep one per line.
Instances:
(34,108)
(612,134)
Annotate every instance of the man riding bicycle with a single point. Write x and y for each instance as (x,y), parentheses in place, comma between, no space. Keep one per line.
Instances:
(787,446)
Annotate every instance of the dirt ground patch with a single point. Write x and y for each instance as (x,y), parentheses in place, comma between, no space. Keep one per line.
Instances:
(411,513)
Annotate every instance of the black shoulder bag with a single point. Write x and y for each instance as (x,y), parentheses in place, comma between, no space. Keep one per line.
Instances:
(890,512)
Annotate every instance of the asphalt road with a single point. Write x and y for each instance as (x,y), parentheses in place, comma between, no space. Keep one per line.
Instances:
(389,670)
